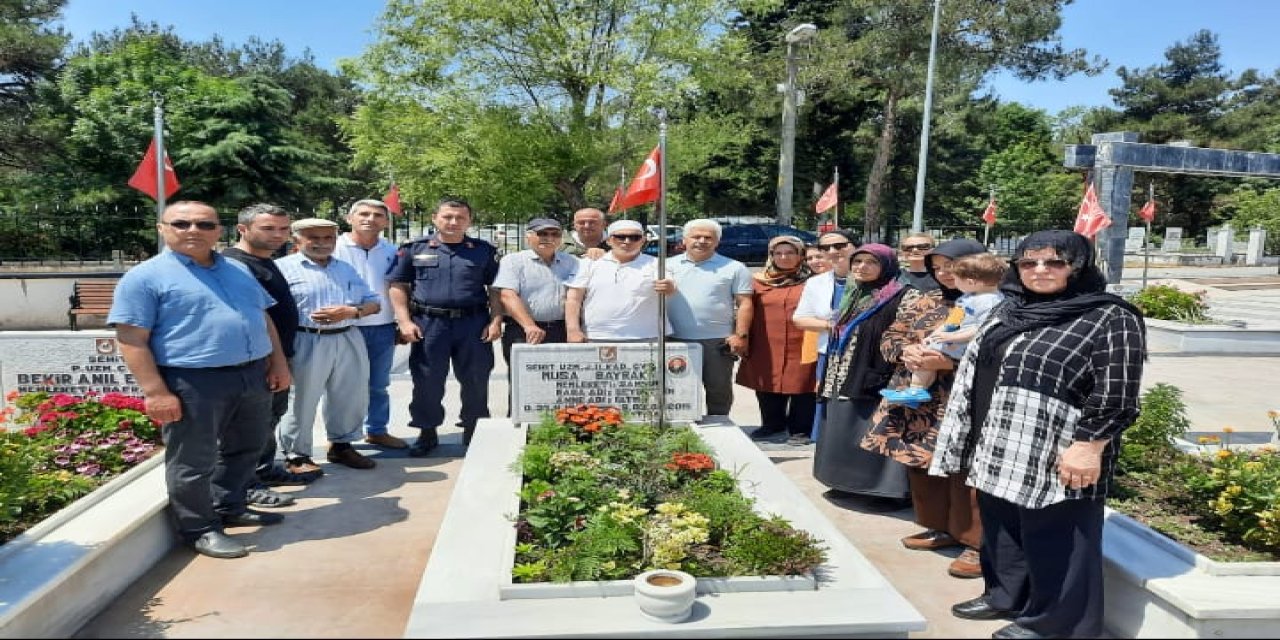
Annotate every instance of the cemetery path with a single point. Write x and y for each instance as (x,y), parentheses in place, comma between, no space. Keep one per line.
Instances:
(347,561)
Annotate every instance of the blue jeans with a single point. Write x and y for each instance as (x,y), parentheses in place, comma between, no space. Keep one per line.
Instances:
(380,342)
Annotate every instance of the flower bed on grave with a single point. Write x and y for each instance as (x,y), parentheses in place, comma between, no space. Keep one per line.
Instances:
(606,499)
(58,448)
(1223,502)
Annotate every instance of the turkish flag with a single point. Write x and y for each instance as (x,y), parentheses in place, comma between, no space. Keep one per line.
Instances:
(392,199)
(1148,211)
(1091,218)
(989,215)
(829,199)
(145,180)
(617,198)
(647,184)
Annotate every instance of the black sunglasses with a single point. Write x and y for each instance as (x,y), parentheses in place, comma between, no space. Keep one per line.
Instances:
(1027,264)
(627,237)
(917,247)
(834,246)
(183,225)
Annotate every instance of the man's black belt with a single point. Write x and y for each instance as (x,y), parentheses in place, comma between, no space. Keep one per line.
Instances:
(323,332)
(541,323)
(230,367)
(447,312)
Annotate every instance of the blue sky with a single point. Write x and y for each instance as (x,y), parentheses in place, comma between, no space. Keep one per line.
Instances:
(1132,33)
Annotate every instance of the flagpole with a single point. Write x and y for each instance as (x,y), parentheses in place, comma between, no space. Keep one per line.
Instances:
(1146,240)
(986,231)
(835,217)
(160,156)
(662,266)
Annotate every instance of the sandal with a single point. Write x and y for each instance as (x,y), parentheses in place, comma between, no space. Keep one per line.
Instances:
(264,497)
(278,476)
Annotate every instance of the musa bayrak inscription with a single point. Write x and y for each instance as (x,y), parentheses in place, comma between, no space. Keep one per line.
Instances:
(550,376)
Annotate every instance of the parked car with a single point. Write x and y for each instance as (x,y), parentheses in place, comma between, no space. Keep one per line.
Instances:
(749,243)
(675,239)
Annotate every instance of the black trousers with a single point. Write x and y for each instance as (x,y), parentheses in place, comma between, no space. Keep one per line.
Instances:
(513,333)
(1045,564)
(790,411)
(210,454)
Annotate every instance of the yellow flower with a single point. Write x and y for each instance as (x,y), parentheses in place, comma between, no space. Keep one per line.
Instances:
(1228,429)
(1223,454)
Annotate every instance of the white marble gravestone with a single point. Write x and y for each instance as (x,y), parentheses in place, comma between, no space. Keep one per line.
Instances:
(71,362)
(1172,240)
(547,377)
(1134,242)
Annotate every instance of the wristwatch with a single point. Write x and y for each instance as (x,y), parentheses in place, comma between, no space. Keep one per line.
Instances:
(741,336)
(359,312)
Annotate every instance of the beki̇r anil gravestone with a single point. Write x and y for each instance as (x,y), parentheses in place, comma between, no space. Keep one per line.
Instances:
(71,362)
(547,377)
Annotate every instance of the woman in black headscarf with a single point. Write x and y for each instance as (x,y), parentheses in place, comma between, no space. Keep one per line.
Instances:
(1035,416)
(856,372)
(945,507)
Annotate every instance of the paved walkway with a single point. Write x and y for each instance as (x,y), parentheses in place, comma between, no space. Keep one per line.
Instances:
(347,561)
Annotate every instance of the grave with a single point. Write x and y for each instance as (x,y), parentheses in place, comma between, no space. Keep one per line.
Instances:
(1172,240)
(467,588)
(72,362)
(1135,243)
(623,375)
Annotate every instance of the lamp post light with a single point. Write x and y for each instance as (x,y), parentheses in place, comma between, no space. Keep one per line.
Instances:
(787,160)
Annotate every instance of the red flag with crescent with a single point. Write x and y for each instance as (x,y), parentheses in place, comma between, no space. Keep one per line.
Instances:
(144,178)
(1091,218)
(989,215)
(645,187)
(392,199)
(829,199)
(1148,211)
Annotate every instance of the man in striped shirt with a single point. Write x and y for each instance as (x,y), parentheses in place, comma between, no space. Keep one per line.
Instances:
(329,357)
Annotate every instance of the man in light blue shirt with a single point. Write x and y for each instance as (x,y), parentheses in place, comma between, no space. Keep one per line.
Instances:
(193,329)
(712,307)
(372,256)
(329,358)
(532,287)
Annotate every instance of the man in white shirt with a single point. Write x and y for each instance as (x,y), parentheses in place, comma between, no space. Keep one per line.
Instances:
(615,298)
(372,256)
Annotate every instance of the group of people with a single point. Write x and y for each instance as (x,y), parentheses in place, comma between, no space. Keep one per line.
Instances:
(987,394)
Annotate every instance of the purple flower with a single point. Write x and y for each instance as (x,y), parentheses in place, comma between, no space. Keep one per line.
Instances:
(62,461)
(89,469)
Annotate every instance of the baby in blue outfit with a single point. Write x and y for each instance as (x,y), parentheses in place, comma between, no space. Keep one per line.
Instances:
(978,277)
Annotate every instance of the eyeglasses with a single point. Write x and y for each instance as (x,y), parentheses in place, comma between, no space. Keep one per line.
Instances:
(834,246)
(627,237)
(784,254)
(1027,264)
(183,225)
(917,247)
(549,233)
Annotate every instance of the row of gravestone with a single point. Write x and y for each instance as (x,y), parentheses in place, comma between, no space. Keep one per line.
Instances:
(1220,241)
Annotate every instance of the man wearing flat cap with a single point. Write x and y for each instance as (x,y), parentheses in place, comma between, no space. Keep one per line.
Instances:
(329,356)
(615,298)
(531,286)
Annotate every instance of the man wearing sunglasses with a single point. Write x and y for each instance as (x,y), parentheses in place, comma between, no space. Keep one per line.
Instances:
(531,286)
(615,298)
(193,329)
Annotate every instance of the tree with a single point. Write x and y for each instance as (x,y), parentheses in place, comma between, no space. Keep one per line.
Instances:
(29,53)
(521,104)
(884,44)
(235,134)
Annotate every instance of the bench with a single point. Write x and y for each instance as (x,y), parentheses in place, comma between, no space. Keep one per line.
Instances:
(91,298)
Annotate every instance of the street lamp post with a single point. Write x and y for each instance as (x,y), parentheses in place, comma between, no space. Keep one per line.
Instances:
(917,213)
(787,160)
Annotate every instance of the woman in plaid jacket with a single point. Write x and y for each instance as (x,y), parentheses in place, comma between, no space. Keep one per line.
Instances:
(1034,417)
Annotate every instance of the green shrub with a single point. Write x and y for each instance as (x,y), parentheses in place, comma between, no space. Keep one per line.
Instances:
(1164,302)
(1148,444)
